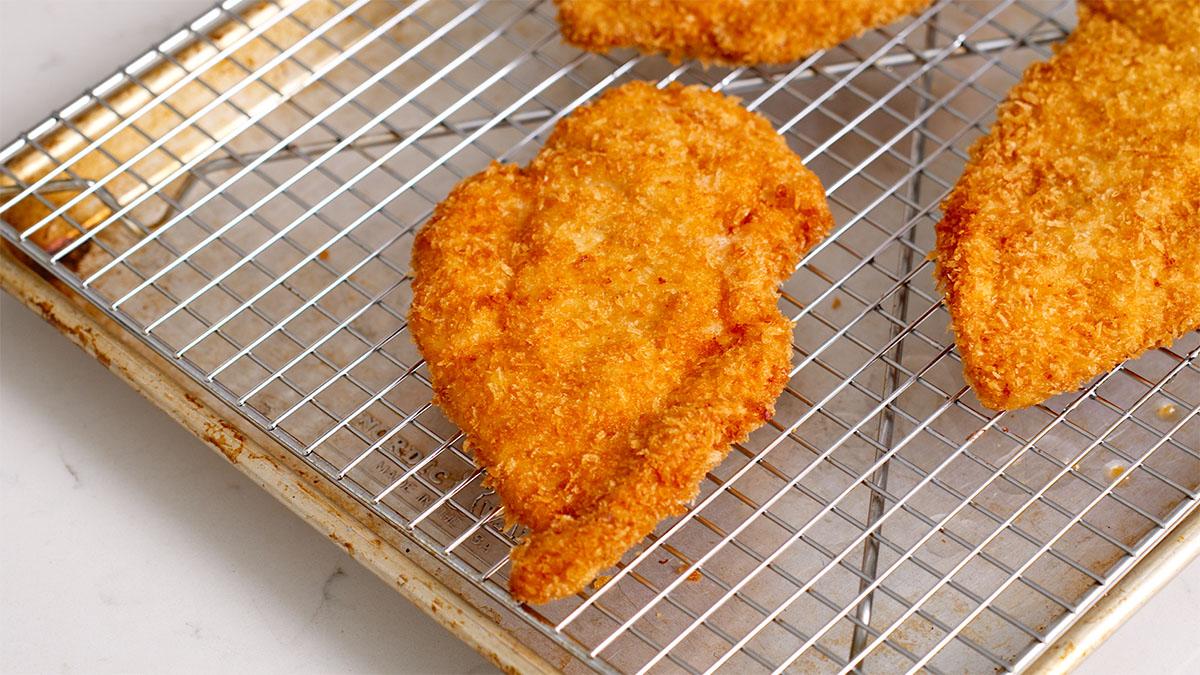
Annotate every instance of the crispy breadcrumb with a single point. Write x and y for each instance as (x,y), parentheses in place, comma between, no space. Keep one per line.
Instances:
(1174,23)
(603,324)
(725,31)
(1072,241)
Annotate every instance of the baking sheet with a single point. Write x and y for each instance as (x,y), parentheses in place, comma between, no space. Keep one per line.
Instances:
(280,279)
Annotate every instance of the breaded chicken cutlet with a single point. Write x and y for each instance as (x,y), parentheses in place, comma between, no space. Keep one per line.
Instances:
(1072,241)
(738,32)
(603,324)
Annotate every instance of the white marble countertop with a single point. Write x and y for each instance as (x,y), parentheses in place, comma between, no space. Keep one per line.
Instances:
(128,546)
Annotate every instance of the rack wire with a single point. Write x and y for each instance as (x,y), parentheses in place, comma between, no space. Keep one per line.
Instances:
(243,199)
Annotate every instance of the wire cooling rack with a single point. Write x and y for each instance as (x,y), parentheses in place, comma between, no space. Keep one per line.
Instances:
(243,199)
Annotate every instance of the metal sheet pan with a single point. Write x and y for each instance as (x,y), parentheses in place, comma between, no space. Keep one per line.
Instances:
(242,200)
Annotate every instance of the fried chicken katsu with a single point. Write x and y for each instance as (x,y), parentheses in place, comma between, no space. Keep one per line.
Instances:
(1072,241)
(1172,23)
(738,32)
(602,324)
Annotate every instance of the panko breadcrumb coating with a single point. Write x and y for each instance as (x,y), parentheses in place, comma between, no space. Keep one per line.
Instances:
(603,324)
(738,32)
(1174,23)
(1072,241)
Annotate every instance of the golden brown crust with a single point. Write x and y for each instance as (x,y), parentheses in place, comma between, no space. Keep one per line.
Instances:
(1173,23)
(603,323)
(725,31)
(1072,241)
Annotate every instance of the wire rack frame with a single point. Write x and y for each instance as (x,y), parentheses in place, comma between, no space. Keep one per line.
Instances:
(243,198)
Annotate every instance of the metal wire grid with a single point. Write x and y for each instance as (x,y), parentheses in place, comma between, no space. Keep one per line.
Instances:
(881,521)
